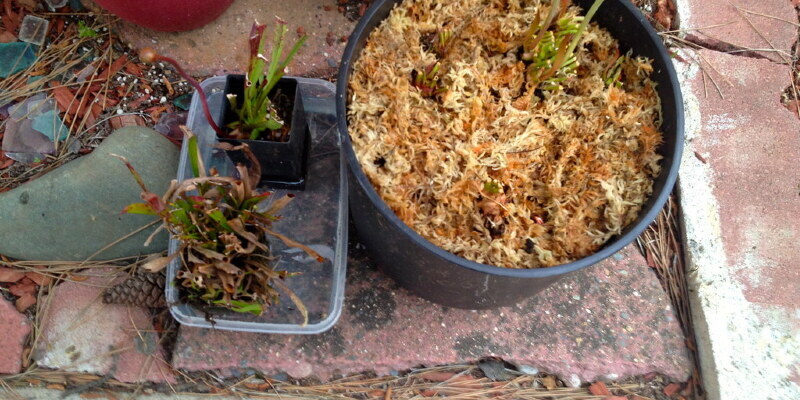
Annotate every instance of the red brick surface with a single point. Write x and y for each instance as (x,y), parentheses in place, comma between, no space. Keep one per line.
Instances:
(752,145)
(15,327)
(80,333)
(611,319)
(775,22)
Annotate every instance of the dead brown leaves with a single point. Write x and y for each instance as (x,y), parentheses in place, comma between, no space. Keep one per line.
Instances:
(665,14)
(86,102)
(24,285)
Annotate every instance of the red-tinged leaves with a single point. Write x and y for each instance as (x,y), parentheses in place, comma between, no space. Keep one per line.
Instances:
(139,208)
(10,274)
(6,163)
(256,33)
(672,388)
(599,389)
(155,202)
(25,302)
(135,176)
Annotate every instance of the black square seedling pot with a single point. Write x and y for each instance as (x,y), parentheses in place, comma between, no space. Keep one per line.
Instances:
(283,164)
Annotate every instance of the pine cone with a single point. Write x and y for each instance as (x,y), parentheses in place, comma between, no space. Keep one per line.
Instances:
(143,290)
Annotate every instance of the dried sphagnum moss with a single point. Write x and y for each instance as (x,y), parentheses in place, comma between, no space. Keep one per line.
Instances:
(490,169)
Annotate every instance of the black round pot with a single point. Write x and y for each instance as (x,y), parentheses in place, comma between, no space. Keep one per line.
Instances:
(442,277)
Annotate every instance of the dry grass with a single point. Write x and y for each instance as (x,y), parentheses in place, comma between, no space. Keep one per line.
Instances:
(54,62)
(452,382)
(661,246)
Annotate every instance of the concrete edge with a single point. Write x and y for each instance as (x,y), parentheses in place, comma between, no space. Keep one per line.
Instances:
(733,343)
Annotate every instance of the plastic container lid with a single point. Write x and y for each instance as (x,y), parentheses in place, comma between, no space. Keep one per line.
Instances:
(316,217)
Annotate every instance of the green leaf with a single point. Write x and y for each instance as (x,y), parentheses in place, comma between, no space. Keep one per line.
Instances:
(217,215)
(179,217)
(85,32)
(194,156)
(242,306)
(253,201)
(584,24)
(139,208)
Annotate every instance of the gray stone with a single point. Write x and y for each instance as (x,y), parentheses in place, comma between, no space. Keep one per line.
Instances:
(74,211)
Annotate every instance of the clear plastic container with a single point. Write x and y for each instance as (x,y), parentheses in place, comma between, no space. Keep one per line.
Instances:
(316,217)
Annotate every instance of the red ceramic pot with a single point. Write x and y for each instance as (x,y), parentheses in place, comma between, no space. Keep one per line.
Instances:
(167,15)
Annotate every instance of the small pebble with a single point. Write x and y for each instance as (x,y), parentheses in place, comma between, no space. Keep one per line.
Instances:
(528,370)
(163,99)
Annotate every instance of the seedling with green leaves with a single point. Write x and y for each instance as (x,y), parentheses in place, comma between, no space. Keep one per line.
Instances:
(614,73)
(427,80)
(255,110)
(225,261)
(550,42)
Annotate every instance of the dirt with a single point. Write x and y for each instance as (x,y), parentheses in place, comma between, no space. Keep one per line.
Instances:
(353,9)
(132,87)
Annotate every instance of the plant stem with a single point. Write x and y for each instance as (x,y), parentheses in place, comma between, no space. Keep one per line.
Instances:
(586,19)
(199,89)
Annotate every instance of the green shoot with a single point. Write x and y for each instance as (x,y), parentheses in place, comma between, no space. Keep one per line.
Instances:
(427,80)
(613,74)
(86,32)
(255,110)
(491,187)
(549,45)
(442,42)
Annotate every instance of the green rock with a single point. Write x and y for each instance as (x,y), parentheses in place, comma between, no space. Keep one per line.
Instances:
(15,57)
(71,213)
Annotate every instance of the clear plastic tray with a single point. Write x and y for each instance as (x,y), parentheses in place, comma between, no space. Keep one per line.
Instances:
(316,217)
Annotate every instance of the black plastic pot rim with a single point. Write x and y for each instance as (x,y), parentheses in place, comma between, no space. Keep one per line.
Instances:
(616,243)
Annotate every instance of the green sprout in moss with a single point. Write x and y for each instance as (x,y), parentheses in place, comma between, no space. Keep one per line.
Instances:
(491,187)
(427,80)
(550,43)
(613,74)
(442,42)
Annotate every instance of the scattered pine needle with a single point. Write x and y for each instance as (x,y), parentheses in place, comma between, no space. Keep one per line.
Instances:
(661,246)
